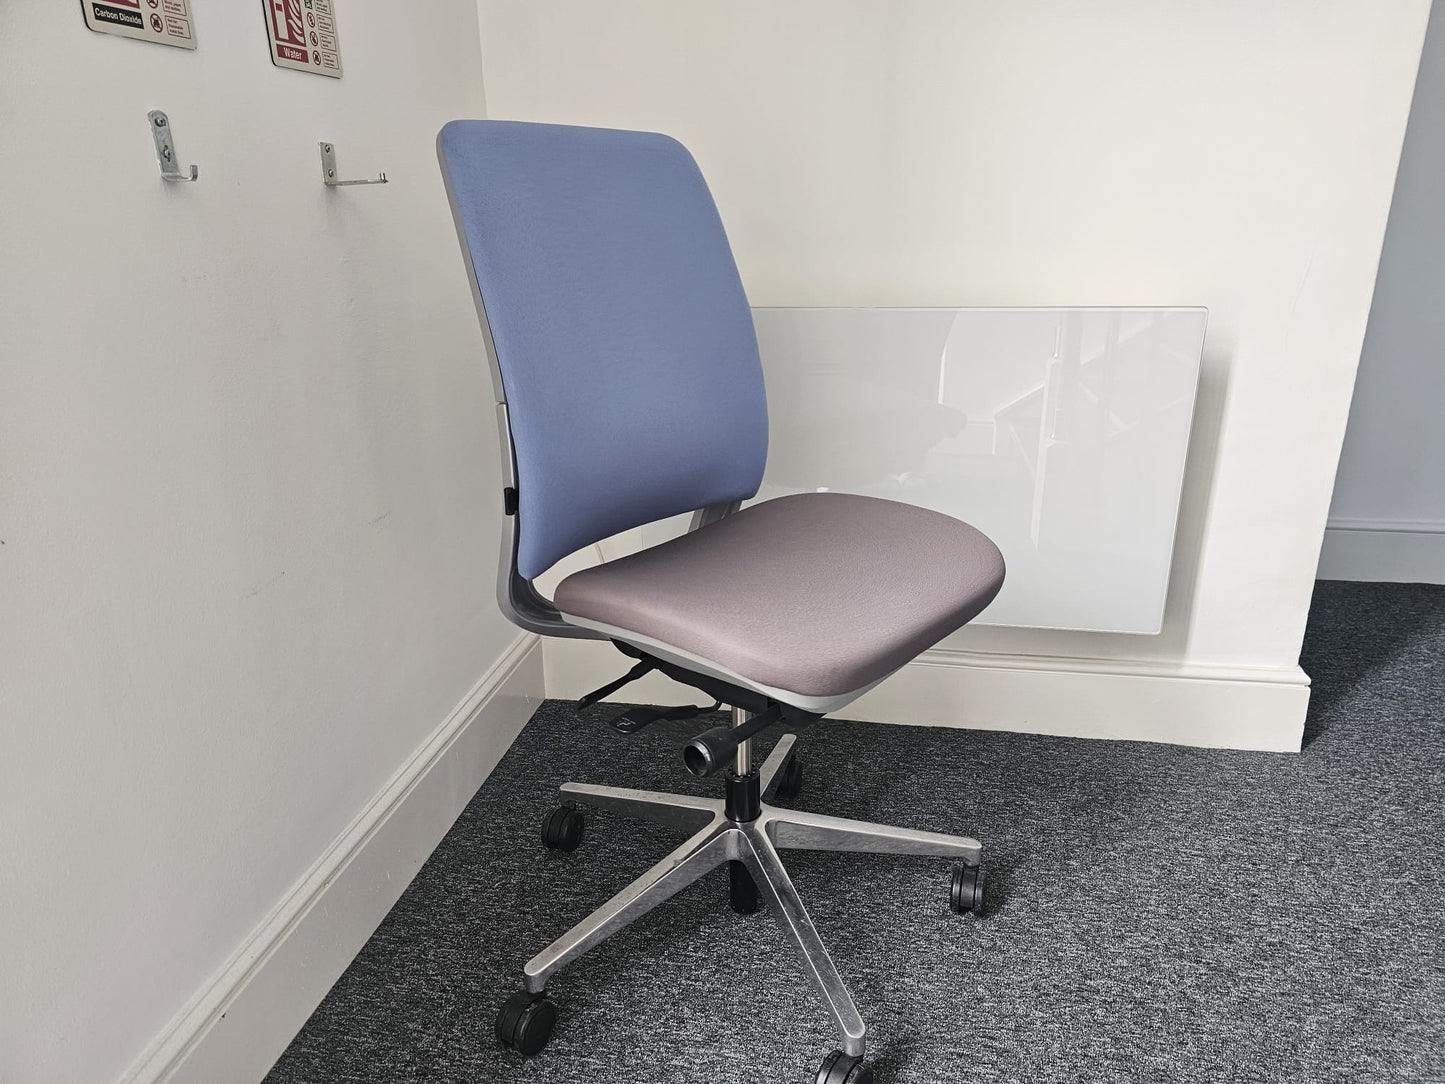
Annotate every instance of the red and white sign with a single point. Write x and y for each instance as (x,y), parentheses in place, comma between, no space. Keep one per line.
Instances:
(303,36)
(165,22)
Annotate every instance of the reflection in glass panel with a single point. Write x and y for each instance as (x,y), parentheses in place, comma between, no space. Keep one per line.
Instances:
(1060,433)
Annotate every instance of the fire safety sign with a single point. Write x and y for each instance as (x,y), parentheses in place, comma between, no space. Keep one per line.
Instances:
(165,22)
(303,35)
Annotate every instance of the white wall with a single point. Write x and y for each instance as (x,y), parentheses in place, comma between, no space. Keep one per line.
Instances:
(1388,516)
(248,506)
(1127,152)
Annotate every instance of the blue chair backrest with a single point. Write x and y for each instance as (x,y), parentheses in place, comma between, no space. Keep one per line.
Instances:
(625,341)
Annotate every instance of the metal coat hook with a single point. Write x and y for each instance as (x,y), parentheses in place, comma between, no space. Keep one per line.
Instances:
(328,169)
(166,148)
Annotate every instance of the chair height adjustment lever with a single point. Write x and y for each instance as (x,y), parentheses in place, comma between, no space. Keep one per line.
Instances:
(634,719)
(646,666)
(713,750)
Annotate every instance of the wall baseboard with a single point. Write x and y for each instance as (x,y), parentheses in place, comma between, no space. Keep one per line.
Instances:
(235,1028)
(1183,704)
(1383,551)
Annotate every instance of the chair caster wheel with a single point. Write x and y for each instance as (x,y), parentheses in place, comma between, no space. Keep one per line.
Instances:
(524,1022)
(841,1068)
(742,889)
(562,828)
(966,895)
(790,781)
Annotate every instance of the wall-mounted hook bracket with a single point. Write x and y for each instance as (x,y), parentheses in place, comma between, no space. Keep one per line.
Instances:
(328,169)
(166,148)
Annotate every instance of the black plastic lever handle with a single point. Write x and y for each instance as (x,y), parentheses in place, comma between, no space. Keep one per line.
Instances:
(713,750)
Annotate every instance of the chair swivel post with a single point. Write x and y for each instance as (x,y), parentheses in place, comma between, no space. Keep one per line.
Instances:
(743,803)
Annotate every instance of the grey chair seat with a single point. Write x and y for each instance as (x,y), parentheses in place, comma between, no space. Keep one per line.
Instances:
(817,594)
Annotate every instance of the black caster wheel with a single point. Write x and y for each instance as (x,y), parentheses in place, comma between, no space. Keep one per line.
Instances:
(562,828)
(742,889)
(524,1023)
(841,1068)
(966,895)
(790,782)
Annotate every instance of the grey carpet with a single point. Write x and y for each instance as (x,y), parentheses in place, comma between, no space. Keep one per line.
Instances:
(1158,913)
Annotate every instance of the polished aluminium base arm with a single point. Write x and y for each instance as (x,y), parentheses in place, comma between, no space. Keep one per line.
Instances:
(717,839)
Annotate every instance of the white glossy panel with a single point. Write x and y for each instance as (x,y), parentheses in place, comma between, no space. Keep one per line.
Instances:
(1060,433)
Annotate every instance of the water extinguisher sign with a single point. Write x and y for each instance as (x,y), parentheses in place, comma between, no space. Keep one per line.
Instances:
(303,36)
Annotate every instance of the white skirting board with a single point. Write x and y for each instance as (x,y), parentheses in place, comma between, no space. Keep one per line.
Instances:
(1378,550)
(1225,707)
(234,1029)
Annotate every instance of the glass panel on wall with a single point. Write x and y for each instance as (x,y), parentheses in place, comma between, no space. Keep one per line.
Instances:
(1060,433)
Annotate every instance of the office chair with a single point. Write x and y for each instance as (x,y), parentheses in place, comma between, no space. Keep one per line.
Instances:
(629,389)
